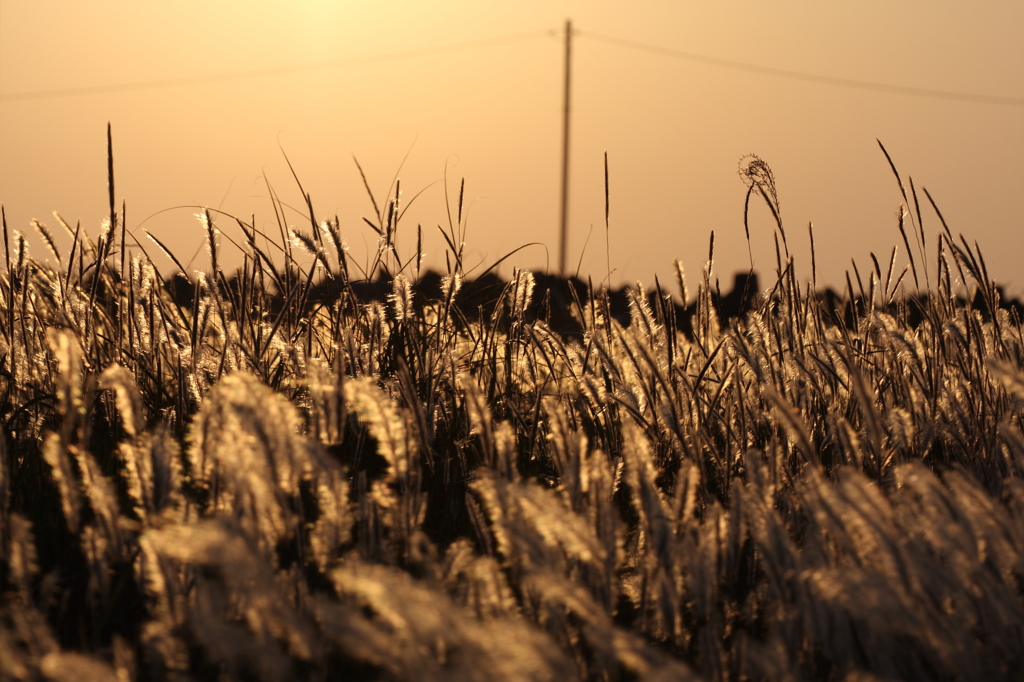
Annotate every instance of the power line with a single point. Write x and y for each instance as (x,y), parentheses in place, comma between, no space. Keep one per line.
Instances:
(267,71)
(807,77)
(468,45)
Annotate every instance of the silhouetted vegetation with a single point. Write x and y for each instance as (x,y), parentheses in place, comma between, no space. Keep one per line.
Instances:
(310,471)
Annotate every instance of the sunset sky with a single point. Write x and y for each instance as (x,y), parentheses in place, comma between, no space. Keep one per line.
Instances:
(393,78)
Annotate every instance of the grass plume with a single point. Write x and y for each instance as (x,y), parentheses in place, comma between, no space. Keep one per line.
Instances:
(302,471)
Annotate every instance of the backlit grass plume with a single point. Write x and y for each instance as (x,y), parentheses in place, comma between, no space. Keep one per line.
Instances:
(312,470)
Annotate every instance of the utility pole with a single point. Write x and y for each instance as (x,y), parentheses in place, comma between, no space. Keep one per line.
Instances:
(564,237)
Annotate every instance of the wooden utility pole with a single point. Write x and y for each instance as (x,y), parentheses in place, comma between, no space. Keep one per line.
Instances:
(564,237)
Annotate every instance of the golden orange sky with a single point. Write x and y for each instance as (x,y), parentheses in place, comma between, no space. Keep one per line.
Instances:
(674,129)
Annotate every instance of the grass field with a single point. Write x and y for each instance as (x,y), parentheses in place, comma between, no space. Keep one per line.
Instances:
(275,476)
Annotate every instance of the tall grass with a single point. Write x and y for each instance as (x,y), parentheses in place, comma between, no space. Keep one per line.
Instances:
(271,476)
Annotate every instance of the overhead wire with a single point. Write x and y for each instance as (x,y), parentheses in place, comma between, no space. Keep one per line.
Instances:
(501,40)
(807,77)
(267,71)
